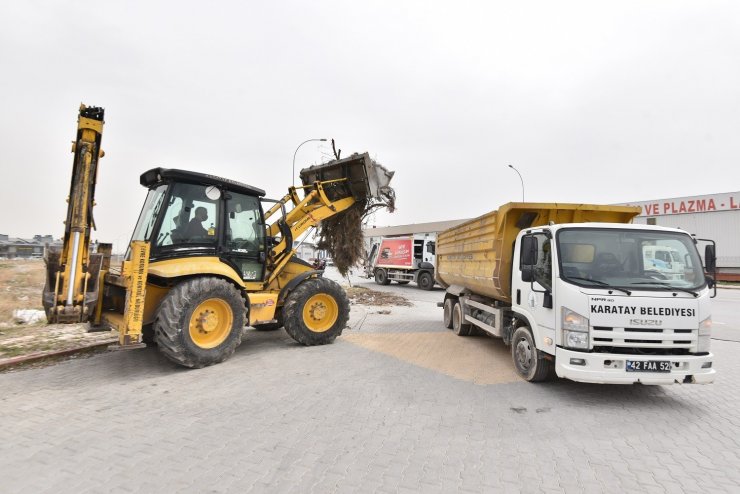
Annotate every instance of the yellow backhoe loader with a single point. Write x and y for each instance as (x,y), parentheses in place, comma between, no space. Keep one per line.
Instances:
(206,257)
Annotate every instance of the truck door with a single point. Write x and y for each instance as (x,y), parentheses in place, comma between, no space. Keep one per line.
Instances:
(534,296)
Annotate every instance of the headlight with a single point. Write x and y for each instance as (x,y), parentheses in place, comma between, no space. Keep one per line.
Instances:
(575,329)
(705,335)
(573,321)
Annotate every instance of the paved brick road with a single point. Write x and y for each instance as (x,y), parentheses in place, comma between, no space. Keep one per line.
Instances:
(353,417)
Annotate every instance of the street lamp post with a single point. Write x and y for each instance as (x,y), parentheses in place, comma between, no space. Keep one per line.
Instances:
(520,178)
(296,152)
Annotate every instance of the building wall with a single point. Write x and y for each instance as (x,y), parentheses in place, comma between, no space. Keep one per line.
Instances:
(713,216)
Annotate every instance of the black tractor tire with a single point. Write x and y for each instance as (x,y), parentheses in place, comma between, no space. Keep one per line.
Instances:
(272,326)
(447,312)
(528,361)
(459,326)
(381,277)
(425,281)
(316,312)
(200,322)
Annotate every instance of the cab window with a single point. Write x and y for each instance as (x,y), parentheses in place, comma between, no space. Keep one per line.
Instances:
(191,217)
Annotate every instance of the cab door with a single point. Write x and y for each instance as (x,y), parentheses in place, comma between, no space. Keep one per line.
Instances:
(532,284)
(244,236)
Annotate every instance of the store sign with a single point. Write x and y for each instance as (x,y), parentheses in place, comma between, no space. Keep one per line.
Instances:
(688,205)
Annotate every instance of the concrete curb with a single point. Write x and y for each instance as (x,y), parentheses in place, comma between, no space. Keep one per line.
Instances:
(40,356)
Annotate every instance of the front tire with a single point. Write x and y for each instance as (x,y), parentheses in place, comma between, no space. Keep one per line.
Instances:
(528,361)
(316,312)
(200,322)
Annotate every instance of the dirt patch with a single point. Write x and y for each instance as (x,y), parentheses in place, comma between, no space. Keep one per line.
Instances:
(21,284)
(480,360)
(365,296)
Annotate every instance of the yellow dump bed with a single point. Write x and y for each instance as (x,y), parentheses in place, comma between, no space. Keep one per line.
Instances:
(477,254)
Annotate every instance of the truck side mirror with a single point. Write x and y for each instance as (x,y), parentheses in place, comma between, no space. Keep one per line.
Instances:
(710,258)
(528,252)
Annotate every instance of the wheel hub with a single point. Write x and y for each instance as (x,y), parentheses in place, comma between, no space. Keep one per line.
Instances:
(523,354)
(207,321)
(318,311)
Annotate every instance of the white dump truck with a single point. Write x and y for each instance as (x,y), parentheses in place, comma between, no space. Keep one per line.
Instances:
(567,286)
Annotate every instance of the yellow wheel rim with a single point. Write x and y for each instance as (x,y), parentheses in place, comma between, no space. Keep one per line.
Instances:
(211,323)
(320,312)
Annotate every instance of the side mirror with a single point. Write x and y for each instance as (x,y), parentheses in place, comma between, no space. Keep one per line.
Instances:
(710,282)
(547,300)
(710,258)
(529,251)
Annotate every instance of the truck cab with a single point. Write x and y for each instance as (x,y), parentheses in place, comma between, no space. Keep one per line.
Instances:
(602,310)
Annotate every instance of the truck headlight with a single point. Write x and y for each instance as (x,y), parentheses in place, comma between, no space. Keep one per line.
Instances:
(705,335)
(575,329)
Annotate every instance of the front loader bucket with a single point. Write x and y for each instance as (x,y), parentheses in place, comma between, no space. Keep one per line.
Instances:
(366,179)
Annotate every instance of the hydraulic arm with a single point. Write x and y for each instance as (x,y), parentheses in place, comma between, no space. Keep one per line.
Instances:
(73,273)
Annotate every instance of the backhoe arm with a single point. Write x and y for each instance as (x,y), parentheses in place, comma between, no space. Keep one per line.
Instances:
(72,277)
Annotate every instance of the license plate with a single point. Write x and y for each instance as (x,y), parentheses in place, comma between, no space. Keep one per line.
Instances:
(649,366)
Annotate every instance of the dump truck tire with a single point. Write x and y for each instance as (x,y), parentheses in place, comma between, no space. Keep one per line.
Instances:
(447,313)
(459,326)
(381,277)
(200,322)
(528,361)
(425,281)
(271,326)
(316,312)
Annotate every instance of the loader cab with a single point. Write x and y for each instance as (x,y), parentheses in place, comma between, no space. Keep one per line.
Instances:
(188,215)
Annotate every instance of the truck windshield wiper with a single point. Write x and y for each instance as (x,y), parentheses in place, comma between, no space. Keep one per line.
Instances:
(600,283)
(666,286)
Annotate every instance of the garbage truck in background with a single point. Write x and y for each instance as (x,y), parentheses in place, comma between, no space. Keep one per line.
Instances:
(567,286)
(403,260)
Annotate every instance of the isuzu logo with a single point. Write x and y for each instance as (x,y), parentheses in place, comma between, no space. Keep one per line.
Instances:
(646,322)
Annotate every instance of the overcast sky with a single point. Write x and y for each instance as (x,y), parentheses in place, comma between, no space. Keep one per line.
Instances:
(592,101)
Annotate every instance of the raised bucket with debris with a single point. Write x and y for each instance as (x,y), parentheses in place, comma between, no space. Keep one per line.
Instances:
(368,182)
(366,179)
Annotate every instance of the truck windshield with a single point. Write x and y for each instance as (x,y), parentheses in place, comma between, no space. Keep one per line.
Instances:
(632,259)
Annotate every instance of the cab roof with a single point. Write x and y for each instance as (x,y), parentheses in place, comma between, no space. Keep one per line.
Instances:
(157,176)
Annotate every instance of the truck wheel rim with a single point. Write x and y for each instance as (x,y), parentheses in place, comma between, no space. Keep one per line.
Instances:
(524,354)
(320,312)
(211,323)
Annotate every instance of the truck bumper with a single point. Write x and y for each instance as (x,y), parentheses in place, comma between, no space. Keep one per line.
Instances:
(610,368)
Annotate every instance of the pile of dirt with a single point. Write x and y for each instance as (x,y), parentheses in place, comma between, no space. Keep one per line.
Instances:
(365,296)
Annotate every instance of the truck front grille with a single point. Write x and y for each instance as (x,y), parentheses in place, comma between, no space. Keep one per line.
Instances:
(653,341)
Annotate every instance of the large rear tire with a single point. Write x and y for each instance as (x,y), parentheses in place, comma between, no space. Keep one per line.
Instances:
(425,281)
(447,312)
(316,312)
(528,361)
(459,326)
(200,322)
